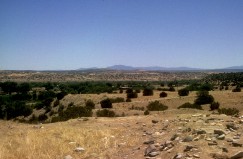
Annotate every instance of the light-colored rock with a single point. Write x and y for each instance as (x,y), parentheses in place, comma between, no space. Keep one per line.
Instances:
(149,149)
(79,149)
(153,154)
(221,137)
(196,156)
(68,157)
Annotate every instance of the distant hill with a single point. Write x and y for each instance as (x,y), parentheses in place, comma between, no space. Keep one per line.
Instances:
(235,67)
(158,68)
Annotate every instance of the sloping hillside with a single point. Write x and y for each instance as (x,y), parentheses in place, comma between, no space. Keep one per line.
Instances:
(183,133)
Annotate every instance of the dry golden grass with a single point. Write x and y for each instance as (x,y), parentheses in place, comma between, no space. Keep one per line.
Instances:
(104,137)
(96,136)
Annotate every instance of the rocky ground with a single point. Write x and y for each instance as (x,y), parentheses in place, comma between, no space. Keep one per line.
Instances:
(174,134)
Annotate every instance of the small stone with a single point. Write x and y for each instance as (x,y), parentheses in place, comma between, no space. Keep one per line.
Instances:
(237,155)
(224,149)
(178,156)
(236,144)
(196,138)
(236,137)
(212,143)
(208,139)
(157,145)
(149,149)
(187,139)
(79,149)
(68,157)
(153,154)
(219,156)
(148,142)
(196,156)
(157,133)
(188,148)
(201,132)
(155,121)
(219,132)
(174,137)
(72,143)
(231,126)
(229,140)
(221,137)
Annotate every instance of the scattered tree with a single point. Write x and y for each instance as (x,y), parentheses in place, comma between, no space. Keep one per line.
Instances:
(183,92)
(106,103)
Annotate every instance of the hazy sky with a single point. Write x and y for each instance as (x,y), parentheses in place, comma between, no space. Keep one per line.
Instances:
(72,34)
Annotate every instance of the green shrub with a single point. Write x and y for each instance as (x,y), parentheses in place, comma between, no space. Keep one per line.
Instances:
(42,117)
(89,104)
(148,92)
(171,89)
(47,101)
(106,103)
(189,105)
(132,95)
(105,113)
(163,94)
(61,108)
(237,89)
(229,111)
(75,112)
(39,105)
(156,106)
(61,95)
(129,90)
(183,92)
(128,100)
(214,105)
(137,108)
(203,97)
(56,103)
(146,112)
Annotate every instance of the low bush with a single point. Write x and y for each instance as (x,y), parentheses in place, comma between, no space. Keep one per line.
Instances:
(171,89)
(189,105)
(237,89)
(42,117)
(146,112)
(229,111)
(89,104)
(148,92)
(163,94)
(106,103)
(39,105)
(156,106)
(132,95)
(61,95)
(128,100)
(105,113)
(183,92)
(214,105)
(56,103)
(137,108)
(203,97)
(117,100)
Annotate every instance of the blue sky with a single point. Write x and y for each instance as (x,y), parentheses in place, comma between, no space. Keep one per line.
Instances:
(72,34)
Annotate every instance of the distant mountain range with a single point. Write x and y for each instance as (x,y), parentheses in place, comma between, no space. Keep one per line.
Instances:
(158,68)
